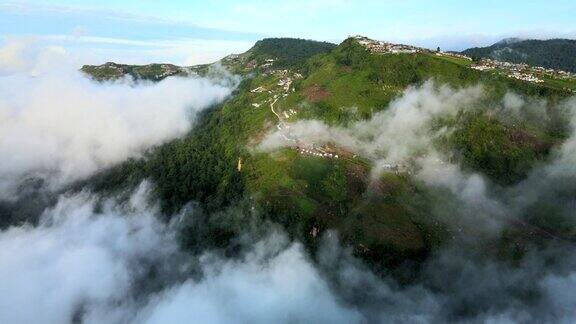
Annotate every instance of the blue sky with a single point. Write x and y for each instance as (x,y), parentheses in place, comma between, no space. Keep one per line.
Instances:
(199,31)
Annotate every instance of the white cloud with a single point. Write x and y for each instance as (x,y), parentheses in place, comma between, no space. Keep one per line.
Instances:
(22,55)
(182,51)
(78,260)
(94,266)
(275,283)
(96,261)
(60,124)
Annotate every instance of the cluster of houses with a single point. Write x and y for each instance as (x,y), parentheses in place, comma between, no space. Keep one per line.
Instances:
(481,67)
(258,90)
(268,64)
(522,72)
(286,80)
(525,77)
(380,47)
(116,70)
(396,168)
(516,71)
(289,113)
(284,74)
(489,64)
(169,70)
(313,152)
(554,73)
(285,83)
(232,58)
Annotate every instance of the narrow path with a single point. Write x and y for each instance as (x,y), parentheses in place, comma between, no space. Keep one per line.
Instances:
(281,122)
(272,108)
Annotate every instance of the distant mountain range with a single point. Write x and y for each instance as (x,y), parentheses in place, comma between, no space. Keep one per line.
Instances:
(554,53)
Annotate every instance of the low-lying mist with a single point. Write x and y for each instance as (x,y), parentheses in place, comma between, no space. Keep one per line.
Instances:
(94,260)
(57,124)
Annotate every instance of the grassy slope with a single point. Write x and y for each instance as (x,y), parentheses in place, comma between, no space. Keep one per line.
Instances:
(387,221)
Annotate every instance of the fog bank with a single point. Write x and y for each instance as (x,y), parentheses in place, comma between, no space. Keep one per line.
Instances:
(57,124)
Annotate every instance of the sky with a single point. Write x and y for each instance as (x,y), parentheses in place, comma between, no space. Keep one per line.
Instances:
(193,32)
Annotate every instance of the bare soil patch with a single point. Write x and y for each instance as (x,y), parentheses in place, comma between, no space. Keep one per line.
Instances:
(315,93)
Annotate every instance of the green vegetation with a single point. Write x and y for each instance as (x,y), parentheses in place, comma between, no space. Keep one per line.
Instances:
(287,52)
(505,153)
(152,72)
(452,59)
(561,83)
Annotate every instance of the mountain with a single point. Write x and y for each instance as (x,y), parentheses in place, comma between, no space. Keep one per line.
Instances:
(153,72)
(280,53)
(309,188)
(287,52)
(554,53)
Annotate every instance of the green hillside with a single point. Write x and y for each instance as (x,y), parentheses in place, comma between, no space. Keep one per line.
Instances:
(554,53)
(287,52)
(152,72)
(387,220)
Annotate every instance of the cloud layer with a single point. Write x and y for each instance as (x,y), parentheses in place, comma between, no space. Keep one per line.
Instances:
(275,282)
(77,262)
(97,264)
(56,123)
(100,261)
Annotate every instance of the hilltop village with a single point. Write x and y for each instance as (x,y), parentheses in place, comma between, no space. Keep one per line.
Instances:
(523,72)
(379,47)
